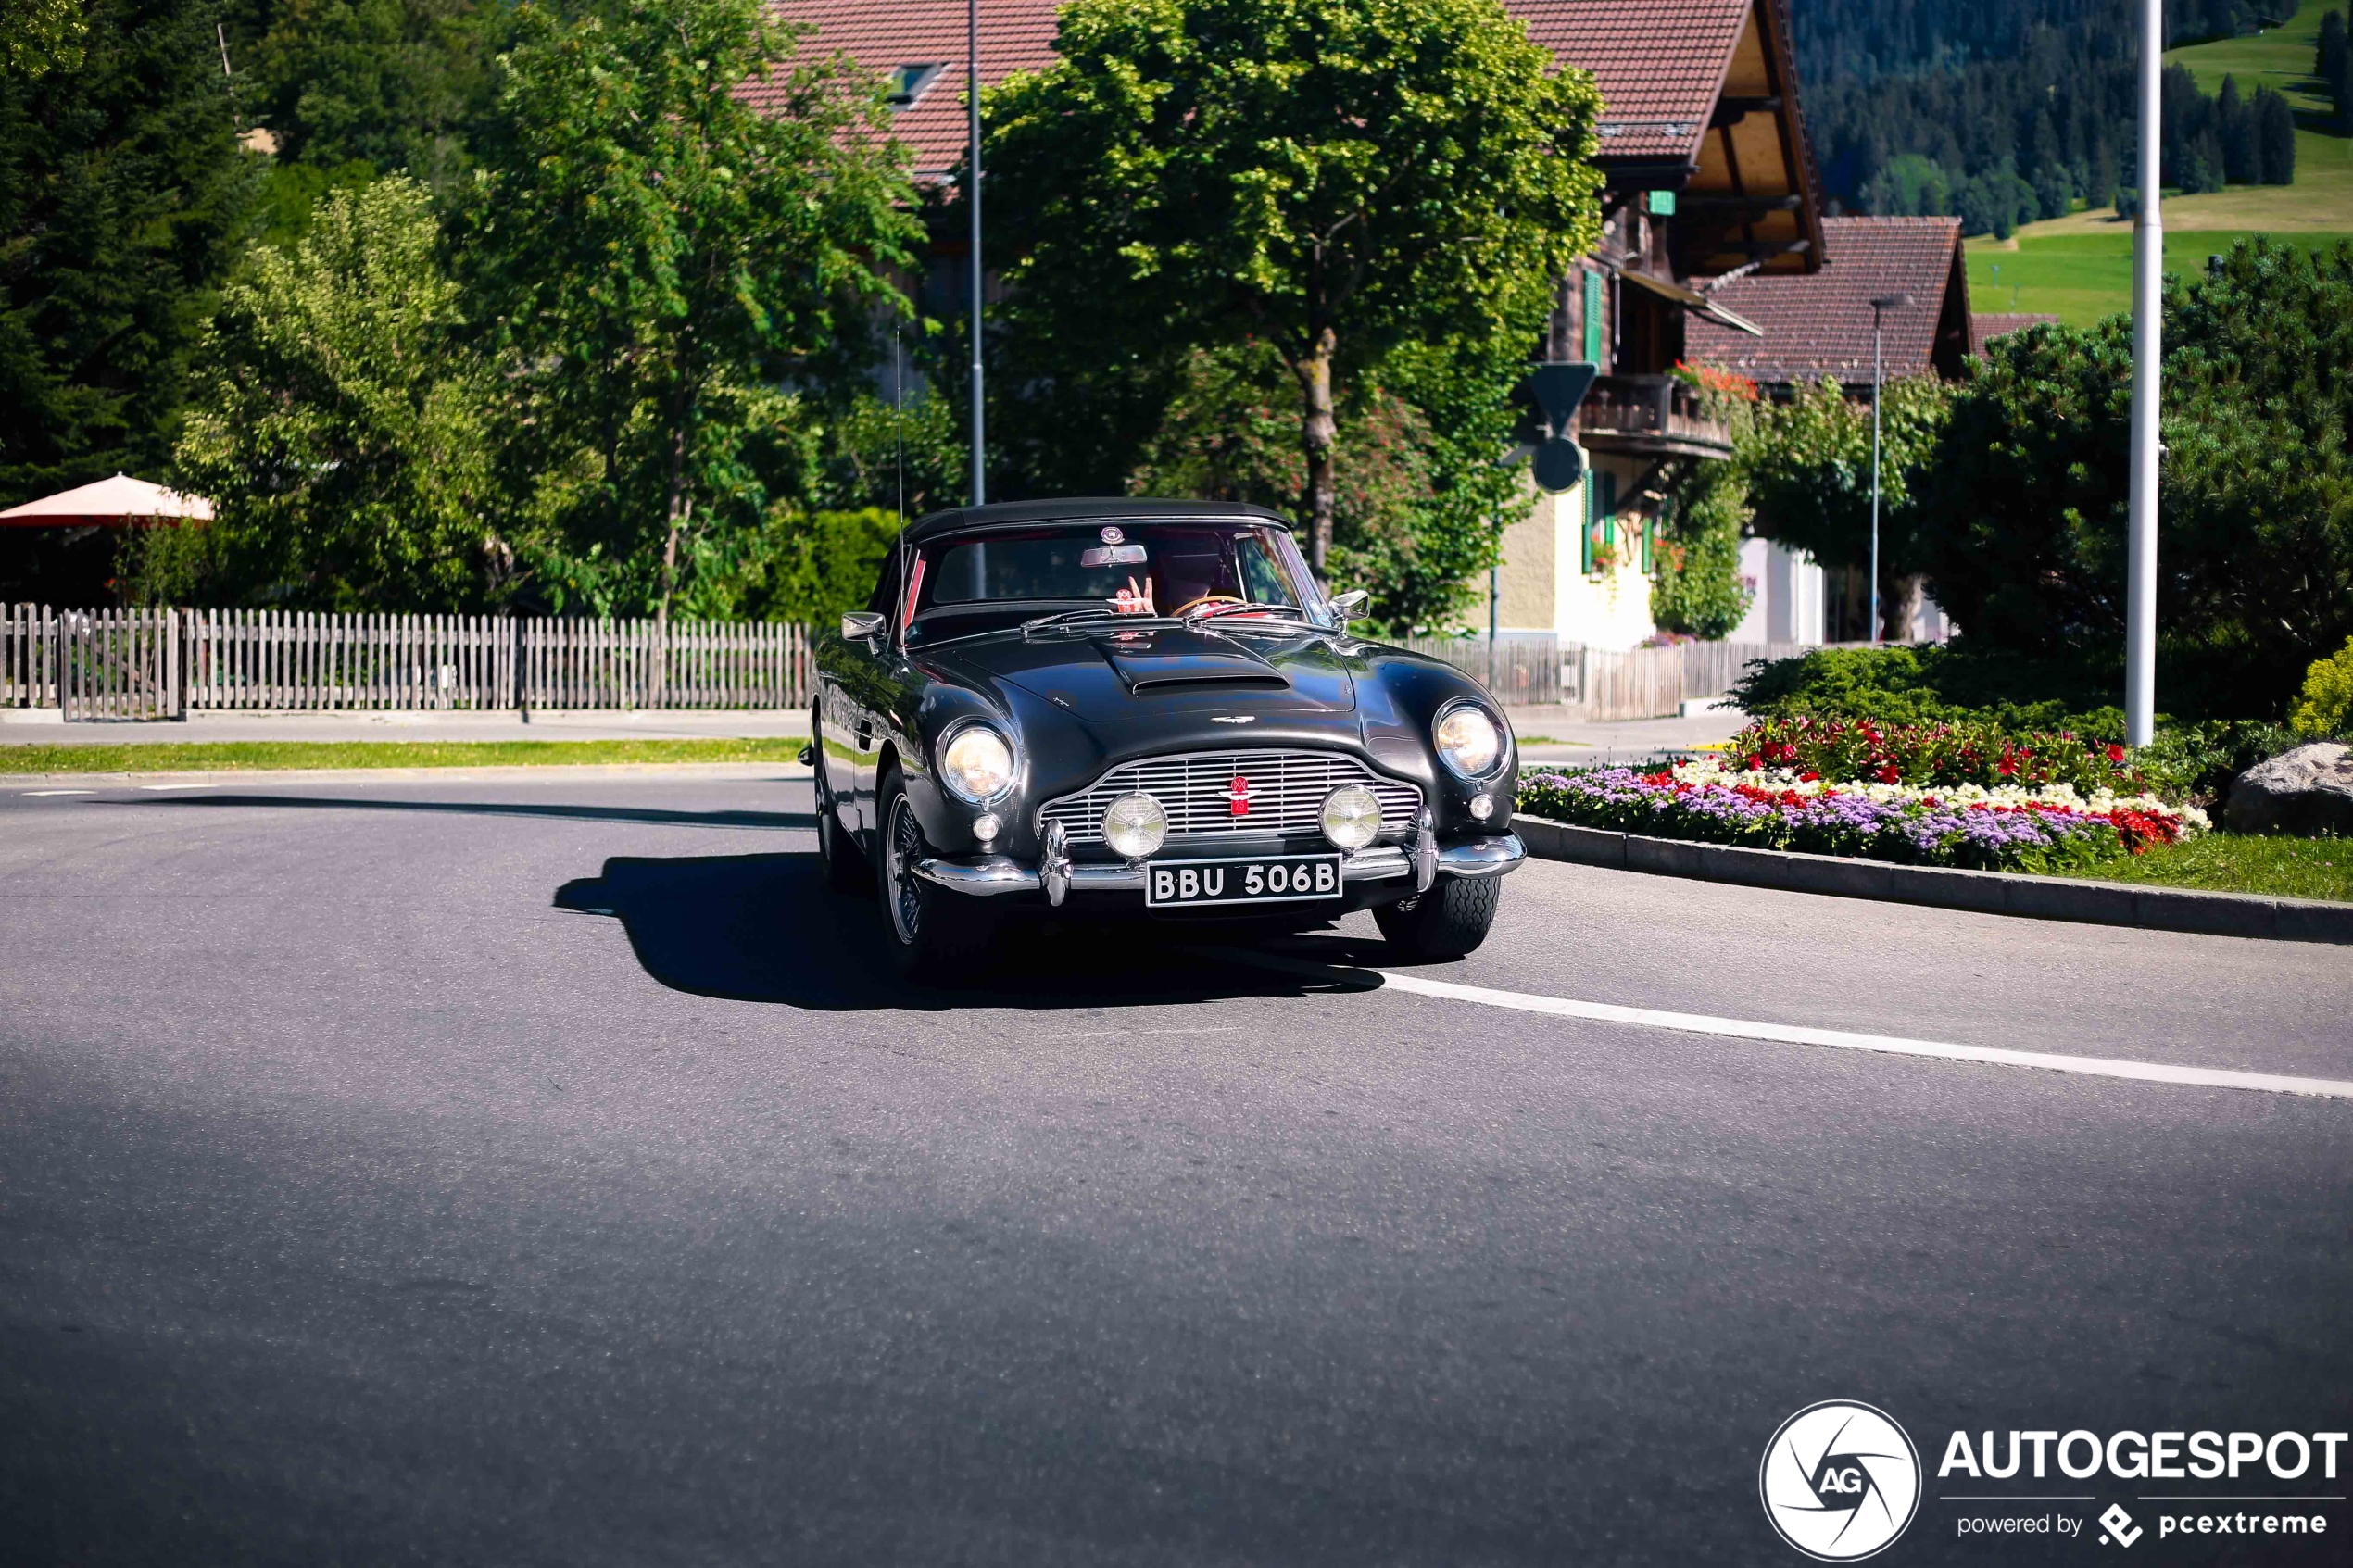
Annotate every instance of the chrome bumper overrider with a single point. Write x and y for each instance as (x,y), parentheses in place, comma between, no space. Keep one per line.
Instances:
(989,875)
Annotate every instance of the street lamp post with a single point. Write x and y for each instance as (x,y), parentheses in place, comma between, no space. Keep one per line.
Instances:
(2148,299)
(1881,305)
(972,98)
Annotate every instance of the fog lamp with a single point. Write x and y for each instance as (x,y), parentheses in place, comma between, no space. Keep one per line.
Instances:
(1483,806)
(1135,825)
(1352,816)
(986,827)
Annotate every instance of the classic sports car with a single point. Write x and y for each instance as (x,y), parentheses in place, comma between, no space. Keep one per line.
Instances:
(1145,705)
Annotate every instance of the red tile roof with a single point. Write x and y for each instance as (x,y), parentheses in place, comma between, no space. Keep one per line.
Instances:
(1987,325)
(1658,63)
(882,36)
(1820,324)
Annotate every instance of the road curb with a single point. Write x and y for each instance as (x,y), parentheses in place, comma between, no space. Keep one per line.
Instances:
(1994,892)
(508,773)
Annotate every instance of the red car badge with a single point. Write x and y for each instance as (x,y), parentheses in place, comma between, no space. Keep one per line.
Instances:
(1238,794)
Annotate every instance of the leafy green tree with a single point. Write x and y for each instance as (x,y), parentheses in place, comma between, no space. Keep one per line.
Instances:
(392,84)
(670,212)
(875,454)
(1696,586)
(124,201)
(1808,468)
(40,36)
(1334,177)
(2022,514)
(343,425)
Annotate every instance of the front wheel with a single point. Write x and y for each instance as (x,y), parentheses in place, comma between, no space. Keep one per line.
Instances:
(1448,921)
(935,936)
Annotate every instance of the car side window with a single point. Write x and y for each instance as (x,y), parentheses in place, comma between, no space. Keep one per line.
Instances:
(886,595)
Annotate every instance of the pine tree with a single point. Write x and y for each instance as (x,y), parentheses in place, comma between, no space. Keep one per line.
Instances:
(2238,130)
(123,202)
(2274,138)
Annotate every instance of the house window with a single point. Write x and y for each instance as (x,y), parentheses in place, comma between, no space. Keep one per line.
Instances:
(907,84)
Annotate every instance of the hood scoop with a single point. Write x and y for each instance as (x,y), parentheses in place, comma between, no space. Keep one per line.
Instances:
(1169,660)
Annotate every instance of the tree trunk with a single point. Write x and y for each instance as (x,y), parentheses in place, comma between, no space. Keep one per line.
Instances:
(1318,434)
(1899,604)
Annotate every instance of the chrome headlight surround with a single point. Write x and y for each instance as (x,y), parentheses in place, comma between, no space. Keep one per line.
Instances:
(974,733)
(1351,817)
(1460,711)
(1136,824)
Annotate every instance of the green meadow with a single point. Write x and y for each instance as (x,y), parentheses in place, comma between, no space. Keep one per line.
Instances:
(2080,268)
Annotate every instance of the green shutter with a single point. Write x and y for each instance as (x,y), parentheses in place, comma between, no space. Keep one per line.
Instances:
(1650,533)
(1593,317)
(1610,510)
(1585,528)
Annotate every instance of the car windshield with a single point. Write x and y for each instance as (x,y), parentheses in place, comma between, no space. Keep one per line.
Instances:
(987,581)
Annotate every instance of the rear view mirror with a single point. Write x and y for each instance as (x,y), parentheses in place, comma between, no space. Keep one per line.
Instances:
(858,624)
(1350,606)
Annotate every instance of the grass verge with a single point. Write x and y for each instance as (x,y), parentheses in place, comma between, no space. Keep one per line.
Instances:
(248,756)
(2226,863)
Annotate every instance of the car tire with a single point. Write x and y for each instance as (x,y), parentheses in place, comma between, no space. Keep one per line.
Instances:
(1448,921)
(845,869)
(936,937)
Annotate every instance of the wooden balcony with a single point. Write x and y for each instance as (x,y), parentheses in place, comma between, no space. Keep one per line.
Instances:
(1653,416)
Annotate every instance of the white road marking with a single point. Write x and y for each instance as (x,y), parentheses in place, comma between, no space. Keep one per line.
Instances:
(1798,1035)
(1740,1028)
(179,786)
(41,792)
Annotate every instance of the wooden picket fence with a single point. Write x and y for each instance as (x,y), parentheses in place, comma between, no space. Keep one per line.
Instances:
(161,663)
(1537,668)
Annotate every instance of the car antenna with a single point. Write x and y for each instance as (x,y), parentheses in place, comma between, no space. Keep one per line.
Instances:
(898,441)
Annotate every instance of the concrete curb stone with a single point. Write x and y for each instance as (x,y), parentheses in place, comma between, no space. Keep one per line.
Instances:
(503,774)
(1999,892)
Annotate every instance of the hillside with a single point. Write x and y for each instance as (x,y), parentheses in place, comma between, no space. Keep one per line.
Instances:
(2080,268)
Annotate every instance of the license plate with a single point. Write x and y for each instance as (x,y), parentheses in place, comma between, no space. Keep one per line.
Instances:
(1275,879)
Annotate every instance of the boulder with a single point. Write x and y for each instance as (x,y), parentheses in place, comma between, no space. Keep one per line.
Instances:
(2306,792)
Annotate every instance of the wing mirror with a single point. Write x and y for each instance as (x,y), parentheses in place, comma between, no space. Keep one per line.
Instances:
(858,625)
(1350,606)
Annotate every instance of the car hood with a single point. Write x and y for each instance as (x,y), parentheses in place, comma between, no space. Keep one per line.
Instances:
(1118,678)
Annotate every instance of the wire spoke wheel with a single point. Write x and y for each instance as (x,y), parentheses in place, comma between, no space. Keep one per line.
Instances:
(901,849)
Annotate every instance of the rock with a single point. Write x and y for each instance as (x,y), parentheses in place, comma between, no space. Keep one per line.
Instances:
(2306,792)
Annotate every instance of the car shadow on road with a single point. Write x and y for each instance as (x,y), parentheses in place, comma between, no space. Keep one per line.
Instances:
(766,928)
(658,818)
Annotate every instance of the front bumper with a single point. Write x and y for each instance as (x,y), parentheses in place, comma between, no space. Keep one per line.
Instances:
(988,876)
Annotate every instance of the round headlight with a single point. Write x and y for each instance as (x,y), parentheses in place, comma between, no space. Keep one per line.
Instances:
(1352,816)
(1468,742)
(1135,824)
(976,765)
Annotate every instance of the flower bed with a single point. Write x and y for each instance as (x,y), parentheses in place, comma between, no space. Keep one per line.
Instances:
(2003,827)
(1944,754)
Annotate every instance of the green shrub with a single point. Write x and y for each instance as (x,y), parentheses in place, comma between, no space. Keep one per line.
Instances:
(2198,760)
(2325,706)
(1955,683)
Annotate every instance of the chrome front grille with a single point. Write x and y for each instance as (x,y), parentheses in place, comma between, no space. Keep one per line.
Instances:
(1285,795)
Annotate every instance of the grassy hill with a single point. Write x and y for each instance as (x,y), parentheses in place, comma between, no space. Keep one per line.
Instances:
(2081,268)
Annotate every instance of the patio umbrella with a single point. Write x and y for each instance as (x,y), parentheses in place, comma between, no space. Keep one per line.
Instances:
(110,503)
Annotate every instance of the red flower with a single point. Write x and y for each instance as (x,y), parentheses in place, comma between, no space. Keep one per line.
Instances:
(1887,773)
(2115,753)
(1809,776)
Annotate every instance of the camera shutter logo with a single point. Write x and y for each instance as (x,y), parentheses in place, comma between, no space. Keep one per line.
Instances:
(1840,1481)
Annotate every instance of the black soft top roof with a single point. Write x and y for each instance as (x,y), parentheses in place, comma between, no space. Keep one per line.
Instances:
(1115,508)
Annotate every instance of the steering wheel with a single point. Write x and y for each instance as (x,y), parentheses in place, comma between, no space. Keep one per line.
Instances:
(1208,599)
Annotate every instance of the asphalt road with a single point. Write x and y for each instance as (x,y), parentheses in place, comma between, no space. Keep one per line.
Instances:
(549,1173)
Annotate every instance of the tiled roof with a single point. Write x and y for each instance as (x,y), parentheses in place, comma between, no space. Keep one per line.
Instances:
(1658,64)
(1820,324)
(1987,325)
(883,35)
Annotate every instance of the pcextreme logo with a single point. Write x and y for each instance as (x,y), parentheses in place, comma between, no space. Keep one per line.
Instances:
(1840,1481)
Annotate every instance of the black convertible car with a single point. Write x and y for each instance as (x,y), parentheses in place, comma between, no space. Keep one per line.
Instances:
(1147,706)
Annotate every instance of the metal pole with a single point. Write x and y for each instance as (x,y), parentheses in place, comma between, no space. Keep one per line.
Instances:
(2149,274)
(1875,382)
(971,94)
(1494,570)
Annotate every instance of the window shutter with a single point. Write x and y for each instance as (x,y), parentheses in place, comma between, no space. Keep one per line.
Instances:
(1593,317)
(1585,528)
(1650,534)
(1610,510)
